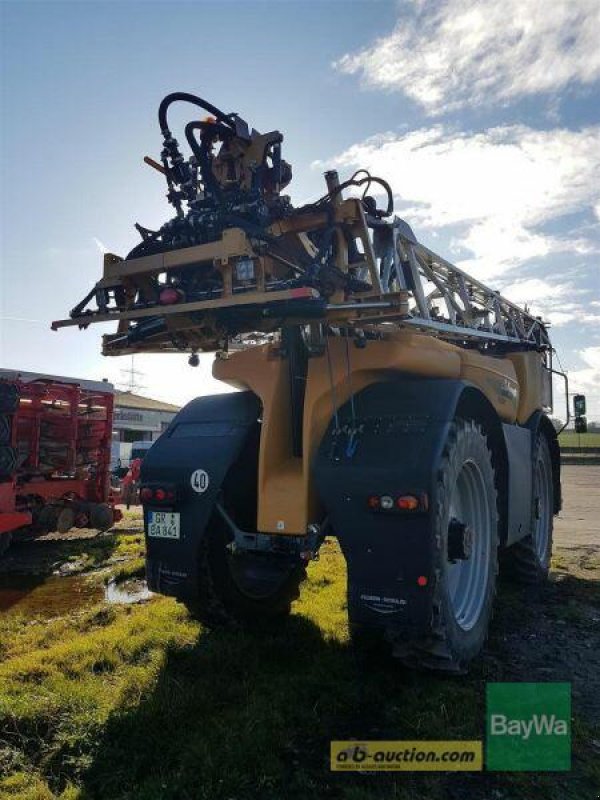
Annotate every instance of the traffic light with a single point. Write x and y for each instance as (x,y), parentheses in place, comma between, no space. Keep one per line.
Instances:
(580,425)
(579,405)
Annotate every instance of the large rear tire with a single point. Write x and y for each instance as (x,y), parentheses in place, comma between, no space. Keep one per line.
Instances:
(241,588)
(528,560)
(465,555)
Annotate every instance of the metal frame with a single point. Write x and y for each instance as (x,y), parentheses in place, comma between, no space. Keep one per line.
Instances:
(472,310)
(403,284)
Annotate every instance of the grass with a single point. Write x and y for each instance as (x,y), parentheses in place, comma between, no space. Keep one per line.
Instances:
(572,439)
(141,703)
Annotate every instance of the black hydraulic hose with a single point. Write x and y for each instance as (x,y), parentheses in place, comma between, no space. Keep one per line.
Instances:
(351,182)
(147,246)
(197,101)
(212,127)
(201,153)
(388,189)
(252,229)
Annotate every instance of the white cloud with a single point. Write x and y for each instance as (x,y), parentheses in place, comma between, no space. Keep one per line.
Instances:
(523,291)
(493,190)
(587,379)
(468,52)
(559,303)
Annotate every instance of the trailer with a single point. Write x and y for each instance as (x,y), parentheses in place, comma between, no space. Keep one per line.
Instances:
(55,437)
(388,398)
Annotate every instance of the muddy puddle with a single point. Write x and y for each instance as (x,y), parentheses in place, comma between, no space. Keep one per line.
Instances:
(132,591)
(54,595)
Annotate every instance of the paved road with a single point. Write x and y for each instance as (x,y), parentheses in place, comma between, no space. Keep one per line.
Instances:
(579,522)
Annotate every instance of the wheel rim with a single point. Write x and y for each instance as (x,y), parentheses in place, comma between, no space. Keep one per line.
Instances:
(542,510)
(468,578)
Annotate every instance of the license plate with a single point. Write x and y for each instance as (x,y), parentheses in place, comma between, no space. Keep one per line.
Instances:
(163,524)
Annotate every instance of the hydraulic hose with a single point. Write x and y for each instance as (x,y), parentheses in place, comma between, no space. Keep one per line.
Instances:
(197,101)
(352,182)
(201,153)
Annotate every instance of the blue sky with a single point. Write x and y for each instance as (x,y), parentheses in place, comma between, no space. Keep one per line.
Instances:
(484,115)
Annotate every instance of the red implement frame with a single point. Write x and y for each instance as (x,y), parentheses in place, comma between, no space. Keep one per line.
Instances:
(62,434)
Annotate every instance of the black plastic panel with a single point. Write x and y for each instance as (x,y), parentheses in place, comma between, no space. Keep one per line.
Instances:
(219,426)
(404,425)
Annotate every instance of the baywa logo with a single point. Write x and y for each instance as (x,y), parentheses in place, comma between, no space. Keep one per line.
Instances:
(538,724)
(528,726)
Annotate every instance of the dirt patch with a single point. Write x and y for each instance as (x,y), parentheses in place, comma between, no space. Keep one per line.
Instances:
(552,632)
(578,524)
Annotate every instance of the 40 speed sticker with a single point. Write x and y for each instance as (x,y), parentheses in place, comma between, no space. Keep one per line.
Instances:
(199,480)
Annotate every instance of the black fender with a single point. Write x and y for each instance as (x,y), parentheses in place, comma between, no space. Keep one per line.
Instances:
(210,434)
(401,426)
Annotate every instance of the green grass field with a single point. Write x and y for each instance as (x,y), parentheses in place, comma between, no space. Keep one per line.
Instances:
(572,439)
(140,703)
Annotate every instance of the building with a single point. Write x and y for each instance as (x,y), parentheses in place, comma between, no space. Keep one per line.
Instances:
(137,419)
(140,419)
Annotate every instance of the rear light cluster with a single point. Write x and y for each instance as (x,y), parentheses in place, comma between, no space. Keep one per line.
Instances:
(403,502)
(157,494)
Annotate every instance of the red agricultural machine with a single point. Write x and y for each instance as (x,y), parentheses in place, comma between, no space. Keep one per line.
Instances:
(55,437)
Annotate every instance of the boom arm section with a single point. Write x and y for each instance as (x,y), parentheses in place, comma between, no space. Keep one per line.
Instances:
(238,262)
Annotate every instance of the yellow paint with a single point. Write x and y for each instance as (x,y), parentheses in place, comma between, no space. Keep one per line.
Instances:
(529,370)
(287,501)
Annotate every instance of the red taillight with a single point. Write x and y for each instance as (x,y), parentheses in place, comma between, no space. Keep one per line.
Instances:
(403,502)
(169,296)
(146,495)
(407,502)
(422,580)
(156,494)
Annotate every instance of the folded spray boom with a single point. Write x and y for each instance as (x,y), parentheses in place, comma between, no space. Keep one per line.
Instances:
(238,261)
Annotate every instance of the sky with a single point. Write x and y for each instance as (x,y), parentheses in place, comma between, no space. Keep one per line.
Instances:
(484,115)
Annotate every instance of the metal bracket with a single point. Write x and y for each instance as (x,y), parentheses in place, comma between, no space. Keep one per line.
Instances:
(303,547)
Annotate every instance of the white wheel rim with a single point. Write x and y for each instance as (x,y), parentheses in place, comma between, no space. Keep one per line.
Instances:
(542,511)
(468,578)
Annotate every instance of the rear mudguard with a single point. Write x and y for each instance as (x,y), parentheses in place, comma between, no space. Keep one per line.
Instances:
(208,434)
(402,427)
